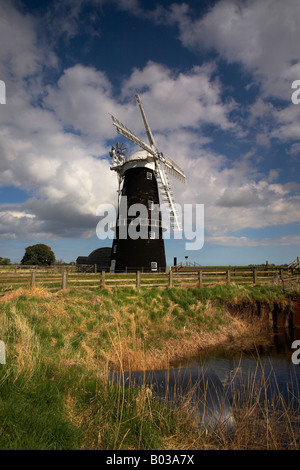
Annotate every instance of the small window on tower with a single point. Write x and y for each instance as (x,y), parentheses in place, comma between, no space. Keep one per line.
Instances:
(153,266)
(115,249)
(150,205)
(149,175)
(152,235)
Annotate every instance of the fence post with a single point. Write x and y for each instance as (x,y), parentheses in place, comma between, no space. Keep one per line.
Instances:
(228,277)
(138,279)
(170,278)
(102,279)
(276,277)
(32,280)
(95,269)
(200,279)
(281,274)
(64,280)
(254,275)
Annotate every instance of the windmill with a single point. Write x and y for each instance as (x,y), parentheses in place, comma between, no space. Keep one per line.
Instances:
(143,179)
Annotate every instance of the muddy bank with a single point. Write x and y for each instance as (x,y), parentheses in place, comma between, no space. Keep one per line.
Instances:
(272,314)
(255,326)
(295,300)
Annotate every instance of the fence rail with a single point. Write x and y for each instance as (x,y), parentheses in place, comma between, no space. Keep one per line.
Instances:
(192,278)
(290,283)
(56,268)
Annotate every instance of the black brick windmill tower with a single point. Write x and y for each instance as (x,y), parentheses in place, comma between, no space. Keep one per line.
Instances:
(138,243)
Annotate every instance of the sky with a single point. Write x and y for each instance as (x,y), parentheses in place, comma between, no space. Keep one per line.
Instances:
(216,79)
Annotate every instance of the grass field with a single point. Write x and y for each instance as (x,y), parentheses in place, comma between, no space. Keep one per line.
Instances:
(53,392)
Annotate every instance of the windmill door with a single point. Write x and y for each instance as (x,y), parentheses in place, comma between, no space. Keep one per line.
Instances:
(112,265)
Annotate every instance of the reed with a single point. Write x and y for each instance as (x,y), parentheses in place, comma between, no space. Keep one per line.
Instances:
(266,418)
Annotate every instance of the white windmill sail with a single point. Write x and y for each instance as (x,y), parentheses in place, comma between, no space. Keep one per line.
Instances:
(167,197)
(169,164)
(148,130)
(123,130)
(162,163)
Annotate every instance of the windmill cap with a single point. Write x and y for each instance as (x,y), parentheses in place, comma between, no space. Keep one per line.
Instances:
(141,158)
(139,155)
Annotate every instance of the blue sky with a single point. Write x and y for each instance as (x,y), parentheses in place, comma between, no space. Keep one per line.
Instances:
(216,80)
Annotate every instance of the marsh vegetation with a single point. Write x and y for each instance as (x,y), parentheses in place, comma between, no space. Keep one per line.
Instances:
(53,388)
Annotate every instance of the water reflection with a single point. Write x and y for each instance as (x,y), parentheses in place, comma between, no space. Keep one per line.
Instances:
(269,362)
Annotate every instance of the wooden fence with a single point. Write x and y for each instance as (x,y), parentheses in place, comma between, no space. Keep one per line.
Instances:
(196,278)
(56,268)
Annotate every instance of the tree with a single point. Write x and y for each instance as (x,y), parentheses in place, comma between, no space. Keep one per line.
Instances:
(39,254)
(4,261)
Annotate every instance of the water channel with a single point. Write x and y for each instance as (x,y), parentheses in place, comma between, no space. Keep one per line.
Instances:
(229,374)
(271,363)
